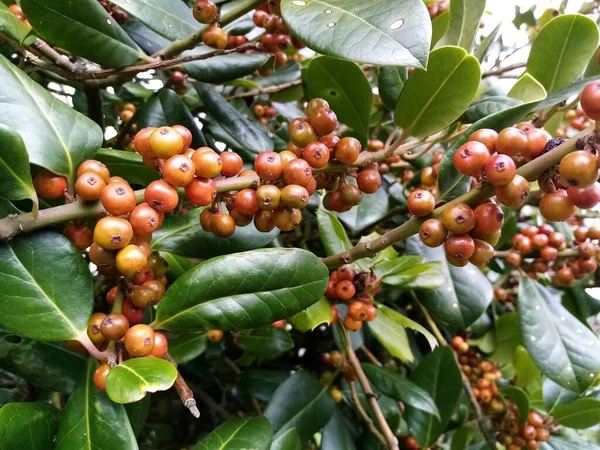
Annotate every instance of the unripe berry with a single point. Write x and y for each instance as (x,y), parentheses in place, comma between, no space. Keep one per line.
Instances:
(536,142)
(112,233)
(301,133)
(488,218)
(482,254)
(165,142)
(514,193)
(294,196)
(93,329)
(350,194)
(347,150)
(286,219)
(215,335)
(139,340)
(214,36)
(487,137)
(421,203)
(114,326)
(91,165)
(458,218)
(131,259)
(222,225)
(579,169)
(207,162)
(88,187)
(100,376)
(118,199)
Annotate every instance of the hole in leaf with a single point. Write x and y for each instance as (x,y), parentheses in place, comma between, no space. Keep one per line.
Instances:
(13,339)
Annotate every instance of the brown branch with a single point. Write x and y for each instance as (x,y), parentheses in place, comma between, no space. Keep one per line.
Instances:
(54,56)
(185,393)
(503,70)
(267,90)
(370,424)
(370,355)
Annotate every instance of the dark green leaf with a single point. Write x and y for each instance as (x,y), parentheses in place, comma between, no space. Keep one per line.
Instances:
(400,389)
(266,341)
(554,394)
(332,233)
(462,437)
(182,235)
(558,443)
(483,48)
(50,366)
(127,165)
(579,414)
(84,28)
(390,81)
(438,375)
(138,413)
(345,87)
(520,398)
(262,383)
(352,29)
(15,179)
(287,74)
(434,98)
(148,40)
(248,136)
(223,68)
(28,426)
(243,290)
(57,137)
(167,108)
(465,16)
(486,107)
(40,305)
(91,420)
(371,210)
(301,403)
(336,434)
(12,27)
(187,347)
(313,316)
(555,339)
(241,432)
(508,337)
(178,265)
(131,380)
(465,294)
(287,441)
(562,50)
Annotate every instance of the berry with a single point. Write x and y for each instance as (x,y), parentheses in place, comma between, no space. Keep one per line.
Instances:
(118,199)
(500,170)
(323,120)
(131,259)
(459,248)
(511,141)
(268,197)
(539,240)
(428,177)
(114,326)
(522,243)
(88,187)
(350,194)
(585,198)
(580,233)
(421,203)
(241,219)
(93,329)
(178,170)
(358,311)
(579,169)
(488,218)
(514,193)
(222,225)
(458,218)
(368,181)
(471,158)
(548,253)
(48,185)
(134,315)
(100,376)
(313,105)
(352,324)
(232,164)
(145,220)
(215,335)
(301,133)
(536,142)
(161,345)
(205,11)
(161,196)
(485,136)
(294,196)
(139,340)
(483,253)
(113,233)
(91,165)
(263,221)
(165,142)
(207,162)
(268,166)
(297,172)
(141,142)
(144,296)
(513,258)
(201,191)
(316,154)
(347,150)
(345,273)
(286,219)
(556,206)
(433,233)
(245,202)
(590,100)
(214,36)
(186,135)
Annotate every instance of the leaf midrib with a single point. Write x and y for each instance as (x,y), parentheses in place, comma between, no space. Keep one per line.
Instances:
(562,52)
(20,180)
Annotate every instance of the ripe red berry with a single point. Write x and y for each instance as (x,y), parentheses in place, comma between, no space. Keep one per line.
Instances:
(514,193)
(245,202)
(500,170)
(579,169)
(487,137)
(347,150)
(161,196)
(368,181)
(421,203)
(471,158)
(459,248)
(316,154)
(91,165)
(590,100)
(482,254)
(488,218)
(323,120)
(556,206)
(178,170)
(297,172)
(201,191)
(134,315)
(145,220)
(358,311)
(585,198)
(268,166)
(232,164)
(536,142)
(88,187)
(118,199)
(433,233)
(100,375)
(511,141)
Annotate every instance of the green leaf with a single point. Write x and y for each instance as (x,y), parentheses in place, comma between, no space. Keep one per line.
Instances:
(138,414)
(287,441)
(167,108)
(91,420)
(332,233)
(171,19)
(182,235)
(483,48)
(580,414)
(243,290)
(84,28)
(313,316)
(39,305)
(15,179)
(390,82)
(301,403)
(558,443)
(262,383)
(405,322)
(265,342)
(352,29)
(527,375)
(336,434)
(131,380)
(555,339)
(520,398)
(486,107)
(241,432)
(28,426)
(57,137)
(439,26)
(554,394)
(223,68)
(434,98)
(508,338)
(345,87)
(388,331)
(451,183)
(465,16)
(188,346)
(249,136)
(462,437)
(50,366)
(400,389)
(178,265)
(371,210)
(464,295)
(562,50)
(14,28)
(438,375)
(127,165)
(409,272)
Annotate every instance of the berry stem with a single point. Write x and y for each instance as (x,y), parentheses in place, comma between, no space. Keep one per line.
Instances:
(22,223)
(530,171)
(91,348)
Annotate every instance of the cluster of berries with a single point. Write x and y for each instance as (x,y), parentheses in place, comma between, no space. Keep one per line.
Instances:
(341,363)
(437,8)
(356,289)
(577,120)
(264,112)
(127,112)
(515,436)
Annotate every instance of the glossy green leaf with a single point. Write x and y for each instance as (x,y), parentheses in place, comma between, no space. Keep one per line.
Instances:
(318,314)
(39,305)
(390,81)
(262,383)
(465,16)
(57,137)
(520,398)
(28,426)
(171,19)
(462,437)
(138,414)
(266,341)
(182,235)
(127,165)
(301,402)
(48,365)
(351,29)
(438,374)
(187,346)
(178,265)
(336,434)
(409,272)
(439,26)
(403,321)
(508,337)
(332,233)
(388,331)
(484,47)
(84,28)
(287,441)
(131,380)
(559,443)
(400,389)
(562,50)
(555,339)
(243,290)
(527,374)
(15,179)
(371,210)
(486,107)
(554,394)
(90,420)
(434,98)
(167,108)
(464,295)
(12,27)
(345,87)
(241,432)
(249,136)
(580,414)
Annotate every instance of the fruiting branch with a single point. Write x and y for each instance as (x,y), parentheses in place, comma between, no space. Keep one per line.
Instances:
(503,70)
(530,171)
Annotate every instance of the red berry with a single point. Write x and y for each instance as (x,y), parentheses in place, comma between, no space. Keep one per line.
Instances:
(471,158)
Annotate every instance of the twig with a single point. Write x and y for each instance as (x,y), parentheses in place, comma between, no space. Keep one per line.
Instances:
(185,393)
(267,90)
(211,403)
(504,69)
(54,56)
(372,428)
(370,355)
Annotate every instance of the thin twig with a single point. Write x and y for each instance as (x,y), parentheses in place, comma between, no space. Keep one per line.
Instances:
(370,424)
(370,355)
(267,90)
(185,393)
(54,56)
(504,69)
